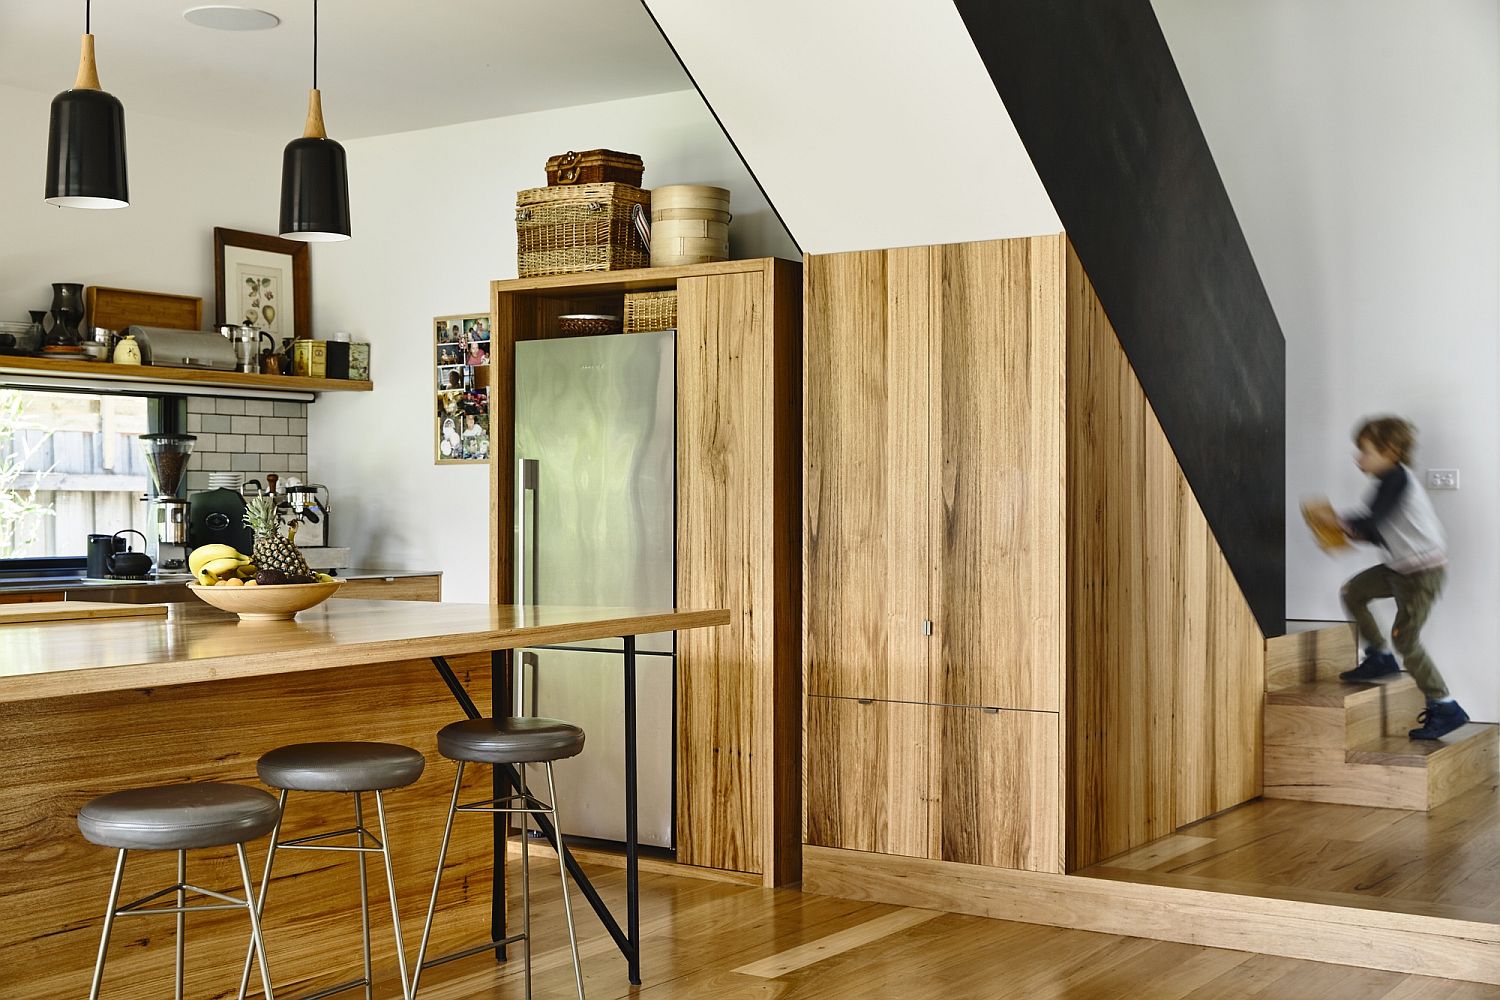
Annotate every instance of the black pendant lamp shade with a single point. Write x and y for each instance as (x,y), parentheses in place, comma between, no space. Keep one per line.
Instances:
(86,143)
(314,175)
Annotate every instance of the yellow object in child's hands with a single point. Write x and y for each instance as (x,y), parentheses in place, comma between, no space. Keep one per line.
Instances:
(1326,528)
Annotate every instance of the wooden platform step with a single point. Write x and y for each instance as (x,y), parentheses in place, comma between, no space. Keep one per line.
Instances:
(1390,771)
(1309,652)
(1337,715)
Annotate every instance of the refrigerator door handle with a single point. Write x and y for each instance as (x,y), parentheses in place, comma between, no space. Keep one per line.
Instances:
(527,476)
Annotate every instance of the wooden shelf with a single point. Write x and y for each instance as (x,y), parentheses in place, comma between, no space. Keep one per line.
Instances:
(162,375)
(645,279)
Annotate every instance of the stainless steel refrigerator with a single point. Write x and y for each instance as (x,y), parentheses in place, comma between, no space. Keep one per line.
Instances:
(595,512)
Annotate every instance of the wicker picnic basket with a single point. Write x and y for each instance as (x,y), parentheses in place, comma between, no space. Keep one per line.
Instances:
(594,166)
(648,311)
(582,227)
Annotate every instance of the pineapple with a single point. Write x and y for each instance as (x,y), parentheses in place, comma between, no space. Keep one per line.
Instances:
(272,552)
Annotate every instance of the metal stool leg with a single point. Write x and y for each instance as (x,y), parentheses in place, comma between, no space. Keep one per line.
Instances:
(364,892)
(390,886)
(563,870)
(525,874)
(265,886)
(181,917)
(109,922)
(253,909)
(416,975)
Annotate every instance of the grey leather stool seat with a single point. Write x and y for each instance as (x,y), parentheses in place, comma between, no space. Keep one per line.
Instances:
(352,768)
(505,742)
(510,741)
(179,818)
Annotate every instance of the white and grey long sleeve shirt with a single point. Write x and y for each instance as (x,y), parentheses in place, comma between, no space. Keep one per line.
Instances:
(1398,516)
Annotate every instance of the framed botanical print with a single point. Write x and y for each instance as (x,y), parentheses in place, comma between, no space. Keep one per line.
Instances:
(264,281)
(461,364)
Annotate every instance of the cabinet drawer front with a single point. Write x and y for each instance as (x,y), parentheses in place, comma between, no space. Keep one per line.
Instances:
(394,588)
(867,773)
(996,780)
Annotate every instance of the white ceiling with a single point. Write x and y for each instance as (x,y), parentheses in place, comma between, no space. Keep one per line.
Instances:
(384,65)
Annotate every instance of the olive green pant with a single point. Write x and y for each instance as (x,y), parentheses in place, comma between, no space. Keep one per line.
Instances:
(1415,594)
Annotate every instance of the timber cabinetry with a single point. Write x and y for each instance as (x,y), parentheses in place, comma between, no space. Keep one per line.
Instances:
(739,328)
(1021,647)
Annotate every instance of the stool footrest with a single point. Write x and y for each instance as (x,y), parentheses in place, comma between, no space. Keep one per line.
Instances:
(454,956)
(329,991)
(490,805)
(138,907)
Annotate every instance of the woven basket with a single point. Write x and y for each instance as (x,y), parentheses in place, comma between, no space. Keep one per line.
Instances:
(649,311)
(585,227)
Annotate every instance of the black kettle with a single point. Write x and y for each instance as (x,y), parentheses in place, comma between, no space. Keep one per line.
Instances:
(129,563)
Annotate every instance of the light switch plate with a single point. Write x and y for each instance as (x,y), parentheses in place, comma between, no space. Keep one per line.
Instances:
(1442,479)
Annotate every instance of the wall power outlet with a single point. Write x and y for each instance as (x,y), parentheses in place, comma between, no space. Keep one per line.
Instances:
(1442,479)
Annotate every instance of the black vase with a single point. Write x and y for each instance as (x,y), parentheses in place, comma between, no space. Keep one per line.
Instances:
(66,314)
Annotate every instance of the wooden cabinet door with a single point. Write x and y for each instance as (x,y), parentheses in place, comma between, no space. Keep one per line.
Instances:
(865,474)
(721,476)
(867,775)
(996,777)
(998,458)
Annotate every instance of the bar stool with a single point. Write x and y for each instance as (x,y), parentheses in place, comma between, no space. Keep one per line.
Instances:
(498,742)
(179,818)
(353,768)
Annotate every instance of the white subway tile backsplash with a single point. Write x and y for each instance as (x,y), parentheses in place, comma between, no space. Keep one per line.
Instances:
(229,406)
(216,423)
(291,445)
(258,407)
(259,442)
(273,425)
(289,409)
(231,443)
(273,463)
(212,462)
(200,404)
(297,463)
(246,435)
(245,463)
(298,426)
(195,423)
(245,425)
(205,442)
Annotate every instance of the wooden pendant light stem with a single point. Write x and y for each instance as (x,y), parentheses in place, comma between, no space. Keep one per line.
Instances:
(88,70)
(314,128)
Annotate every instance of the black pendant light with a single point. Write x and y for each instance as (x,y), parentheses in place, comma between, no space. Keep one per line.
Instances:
(314,175)
(86,140)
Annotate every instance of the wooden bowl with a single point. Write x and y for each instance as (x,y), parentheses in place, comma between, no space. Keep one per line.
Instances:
(267,604)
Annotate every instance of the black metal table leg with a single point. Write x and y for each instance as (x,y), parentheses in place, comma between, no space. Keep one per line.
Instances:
(632,847)
(501,680)
(507,778)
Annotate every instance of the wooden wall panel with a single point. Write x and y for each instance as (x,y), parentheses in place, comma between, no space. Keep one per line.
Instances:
(998,474)
(865,455)
(995,789)
(867,775)
(721,487)
(67,750)
(1165,659)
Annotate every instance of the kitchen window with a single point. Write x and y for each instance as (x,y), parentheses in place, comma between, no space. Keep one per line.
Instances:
(69,467)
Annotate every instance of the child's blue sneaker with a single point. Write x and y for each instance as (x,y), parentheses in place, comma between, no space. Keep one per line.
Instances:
(1377,663)
(1440,719)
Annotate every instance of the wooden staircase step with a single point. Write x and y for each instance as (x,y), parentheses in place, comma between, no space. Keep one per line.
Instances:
(1310,651)
(1333,715)
(1390,772)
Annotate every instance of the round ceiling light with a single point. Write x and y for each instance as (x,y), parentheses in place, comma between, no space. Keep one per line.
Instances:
(226,18)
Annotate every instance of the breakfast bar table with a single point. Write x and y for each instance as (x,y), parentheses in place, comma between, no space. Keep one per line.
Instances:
(195,644)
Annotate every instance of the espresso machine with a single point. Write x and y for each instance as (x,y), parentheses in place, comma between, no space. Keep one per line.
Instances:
(166,460)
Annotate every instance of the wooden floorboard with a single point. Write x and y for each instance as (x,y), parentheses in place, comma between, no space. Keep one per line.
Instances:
(701,936)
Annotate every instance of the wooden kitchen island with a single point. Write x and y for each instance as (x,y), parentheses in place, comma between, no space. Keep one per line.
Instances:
(91,707)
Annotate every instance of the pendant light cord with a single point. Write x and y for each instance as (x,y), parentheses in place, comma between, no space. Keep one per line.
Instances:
(315,44)
(88,10)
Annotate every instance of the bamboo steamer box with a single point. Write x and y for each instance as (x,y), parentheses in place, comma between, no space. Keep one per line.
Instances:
(689,224)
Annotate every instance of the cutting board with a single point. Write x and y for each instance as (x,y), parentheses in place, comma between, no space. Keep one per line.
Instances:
(62,611)
(117,308)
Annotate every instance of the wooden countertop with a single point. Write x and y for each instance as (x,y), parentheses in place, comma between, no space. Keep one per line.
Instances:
(198,643)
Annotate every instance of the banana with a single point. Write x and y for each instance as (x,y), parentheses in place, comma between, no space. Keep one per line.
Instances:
(325,578)
(224,566)
(205,554)
(206,579)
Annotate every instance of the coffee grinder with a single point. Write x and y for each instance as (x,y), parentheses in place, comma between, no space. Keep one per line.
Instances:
(167,459)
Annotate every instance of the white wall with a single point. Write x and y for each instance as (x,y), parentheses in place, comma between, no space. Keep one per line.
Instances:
(434,222)
(183,183)
(1360,143)
(871,123)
